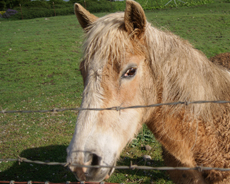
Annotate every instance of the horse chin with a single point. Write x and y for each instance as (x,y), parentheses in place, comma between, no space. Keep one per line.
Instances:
(98,175)
(92,174)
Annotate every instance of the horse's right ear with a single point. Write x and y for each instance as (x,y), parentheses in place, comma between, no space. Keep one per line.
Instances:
(84,17)
(135,20)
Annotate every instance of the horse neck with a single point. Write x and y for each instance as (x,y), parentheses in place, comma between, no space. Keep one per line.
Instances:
(185,74)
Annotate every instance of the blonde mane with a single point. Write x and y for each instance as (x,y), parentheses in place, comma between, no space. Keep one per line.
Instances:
(183,72)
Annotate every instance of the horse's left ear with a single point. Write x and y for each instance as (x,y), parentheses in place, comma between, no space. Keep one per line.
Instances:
(84,17)
(135,20)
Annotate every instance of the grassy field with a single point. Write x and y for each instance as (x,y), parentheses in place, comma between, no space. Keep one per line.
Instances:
(39,69)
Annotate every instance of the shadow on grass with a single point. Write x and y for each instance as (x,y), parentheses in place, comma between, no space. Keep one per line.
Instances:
(57,153)
(36,172)
(136,175)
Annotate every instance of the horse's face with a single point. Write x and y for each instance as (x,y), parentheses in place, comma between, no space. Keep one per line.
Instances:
(100,136)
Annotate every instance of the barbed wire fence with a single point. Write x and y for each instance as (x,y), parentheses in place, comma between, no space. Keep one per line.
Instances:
(117,108)
(131,166)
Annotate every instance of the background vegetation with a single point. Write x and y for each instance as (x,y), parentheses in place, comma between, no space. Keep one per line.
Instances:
(39,69)
(41,8)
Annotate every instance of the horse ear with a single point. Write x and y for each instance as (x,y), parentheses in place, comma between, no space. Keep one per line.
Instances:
(84,17)
(135,20)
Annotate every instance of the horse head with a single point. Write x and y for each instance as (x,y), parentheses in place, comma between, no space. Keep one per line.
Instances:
(114,70)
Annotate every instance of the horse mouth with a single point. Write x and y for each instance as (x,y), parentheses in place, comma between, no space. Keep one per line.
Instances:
(92,174)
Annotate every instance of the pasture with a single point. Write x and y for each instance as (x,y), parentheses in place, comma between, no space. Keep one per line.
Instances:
(40,70)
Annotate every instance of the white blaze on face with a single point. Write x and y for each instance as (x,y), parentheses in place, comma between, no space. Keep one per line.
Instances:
(86,121)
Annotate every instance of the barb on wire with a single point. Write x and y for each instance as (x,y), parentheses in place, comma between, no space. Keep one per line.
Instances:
(117,108)
(3,110)
(132,167)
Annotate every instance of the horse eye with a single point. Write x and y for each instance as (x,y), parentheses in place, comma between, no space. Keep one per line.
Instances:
(129,73)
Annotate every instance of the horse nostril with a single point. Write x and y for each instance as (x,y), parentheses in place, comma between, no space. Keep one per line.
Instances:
(92,159)
(95,160)
(86,172)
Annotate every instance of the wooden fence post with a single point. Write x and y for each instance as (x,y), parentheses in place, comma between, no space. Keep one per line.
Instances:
(54,9)
(85,4)
(21,10)
(111,5)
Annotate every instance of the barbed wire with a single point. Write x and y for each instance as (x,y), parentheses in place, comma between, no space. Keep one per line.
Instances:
(131,166)
(117,108)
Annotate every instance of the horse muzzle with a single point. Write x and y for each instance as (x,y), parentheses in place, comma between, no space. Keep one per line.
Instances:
(91,169)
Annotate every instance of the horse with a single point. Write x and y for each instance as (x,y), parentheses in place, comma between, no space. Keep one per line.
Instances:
(128,62)
(222,59)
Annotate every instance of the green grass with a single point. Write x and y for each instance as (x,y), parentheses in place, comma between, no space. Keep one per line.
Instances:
(39,69)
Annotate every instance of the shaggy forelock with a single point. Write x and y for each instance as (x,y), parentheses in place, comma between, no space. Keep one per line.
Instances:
(106,40)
